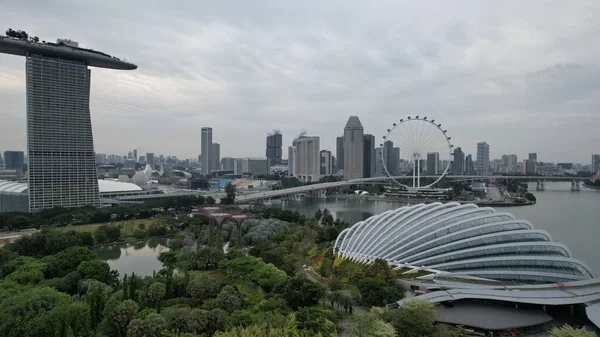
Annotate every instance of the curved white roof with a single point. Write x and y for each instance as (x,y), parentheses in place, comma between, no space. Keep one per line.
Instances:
(12,187)
(108,186)
(461,240)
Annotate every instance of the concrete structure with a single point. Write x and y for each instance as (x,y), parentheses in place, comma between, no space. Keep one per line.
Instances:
(215,154)
(508,163)
(205,150)
(353,149)
(529,166)
(237,168)
(482,165)
(291,159)
(62,162)
(391,156)
(368,156)
(463,240)
(273,151)
(255,166)
(595,163)
(307,163)
(533,156)
(458,162)
(135,155)
(469,165)
(1,162)
(14,160)
(326,163)
(228,163)
(433,163)
(339,153)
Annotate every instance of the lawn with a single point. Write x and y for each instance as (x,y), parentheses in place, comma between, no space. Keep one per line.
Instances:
(128,226)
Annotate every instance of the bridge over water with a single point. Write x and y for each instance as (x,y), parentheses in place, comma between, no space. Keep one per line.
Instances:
(265,195)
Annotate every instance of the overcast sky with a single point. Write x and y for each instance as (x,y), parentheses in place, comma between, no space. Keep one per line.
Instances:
(522,75)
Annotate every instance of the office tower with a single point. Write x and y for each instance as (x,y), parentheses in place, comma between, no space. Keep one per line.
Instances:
(533,156)
(433,163)
(391,156)
(205,150)
(339,153)
(255,166)
(469,165)
(215,154)
(529,166)
(135,157)
(228,163)
(508,163)
(273,151)
(307,161)
(14,160)
(291,162)
(482,166)
(150,159)
(1,162)
(130,163)
(368,156)
(458,162)
(326,164)
(60,146)
(595,163)
(353,149)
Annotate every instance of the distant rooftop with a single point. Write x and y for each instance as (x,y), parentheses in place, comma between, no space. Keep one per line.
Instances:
(354,122)
(66,50)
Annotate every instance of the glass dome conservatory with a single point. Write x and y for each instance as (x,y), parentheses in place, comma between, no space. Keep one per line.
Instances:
(456,239)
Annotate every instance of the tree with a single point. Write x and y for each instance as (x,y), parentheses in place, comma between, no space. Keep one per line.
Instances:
(414,319)
(230,191)
(300,292)
(98,270)
(156,292)
(202,288)
(176,319)
(152,325)
(210,200)
(376,292)
(229,299)
(369,325)
(68,260)
(569,331)
(120,317)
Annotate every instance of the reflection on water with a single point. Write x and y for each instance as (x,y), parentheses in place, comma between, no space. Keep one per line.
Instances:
(570,217)
(137,257)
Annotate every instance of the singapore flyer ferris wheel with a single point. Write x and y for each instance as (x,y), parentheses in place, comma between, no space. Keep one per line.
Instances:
(423,144)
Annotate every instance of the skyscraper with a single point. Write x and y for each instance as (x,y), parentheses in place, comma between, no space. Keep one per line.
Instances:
(60,146)
(339,153)
(482,166)
(353,149)
(228,163)
(205,150)
(595,163)
(291,159)
(307,161)
(433,163)
(150,159)
(135,157)
(1,162)
(391,156)
(458,162)
(533,156)
(215,154)
(508,163)
(326,164)
(368,156)
(14,160)
(469,165)
(273,151)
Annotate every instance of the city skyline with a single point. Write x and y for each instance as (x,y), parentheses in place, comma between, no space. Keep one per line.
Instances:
(501,68)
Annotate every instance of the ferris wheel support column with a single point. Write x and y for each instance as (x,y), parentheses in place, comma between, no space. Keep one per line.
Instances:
(418,173)
(414,174)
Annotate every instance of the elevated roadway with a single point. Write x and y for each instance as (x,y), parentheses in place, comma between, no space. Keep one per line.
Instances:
(243,199)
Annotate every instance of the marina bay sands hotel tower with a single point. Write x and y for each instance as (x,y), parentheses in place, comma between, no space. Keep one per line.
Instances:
(60,145)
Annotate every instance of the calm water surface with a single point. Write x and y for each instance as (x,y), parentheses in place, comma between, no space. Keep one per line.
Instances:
(137,257)
(570,217)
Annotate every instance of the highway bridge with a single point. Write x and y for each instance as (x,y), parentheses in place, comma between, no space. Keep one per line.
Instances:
(265,195)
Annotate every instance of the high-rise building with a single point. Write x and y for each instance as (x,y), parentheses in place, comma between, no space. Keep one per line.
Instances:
(433,163)
(326,162)
(255,166)
(533,156)
(482,166)
(135,157)
(595,163)
(353,149)
(508,163)
(368,156)
(458,162)
(307,159)
(469,165)
(1,162)
(391,156)
(205,150)
(291,159)
(150,159)
(339,153)
(215,154)
(60,146)
(273,151)
(228,163)
(529,166)
(14,160)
